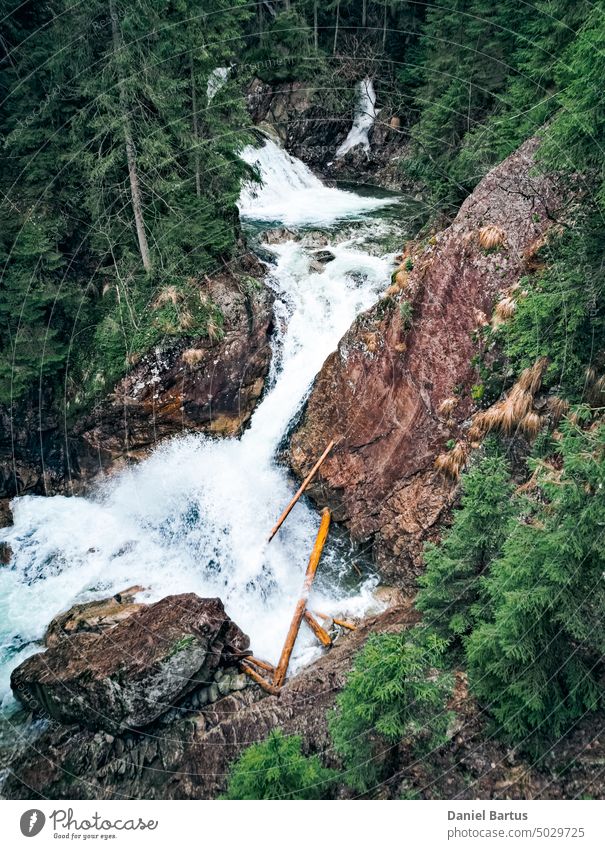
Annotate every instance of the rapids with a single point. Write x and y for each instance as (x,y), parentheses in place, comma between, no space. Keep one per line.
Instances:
(195,515)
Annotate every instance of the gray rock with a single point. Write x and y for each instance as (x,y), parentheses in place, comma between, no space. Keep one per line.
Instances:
(134,673)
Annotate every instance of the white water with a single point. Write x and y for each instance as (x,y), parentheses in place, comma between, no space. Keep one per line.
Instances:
(195,515)
(216,81)
(365,115)
(292,194)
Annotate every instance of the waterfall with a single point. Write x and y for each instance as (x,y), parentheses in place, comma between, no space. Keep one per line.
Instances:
(195,515)
(365,115)
(216,81)
(291,194)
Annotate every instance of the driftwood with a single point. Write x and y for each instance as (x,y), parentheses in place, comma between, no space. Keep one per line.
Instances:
(342,622)
(262,664)
(282,666)
(322,635)
(302,488)
(256,676)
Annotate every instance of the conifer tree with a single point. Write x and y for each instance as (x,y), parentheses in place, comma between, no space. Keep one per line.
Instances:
(534,661)
(450,587)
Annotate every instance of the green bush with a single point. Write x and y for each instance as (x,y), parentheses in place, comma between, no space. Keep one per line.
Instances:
(450,587)
(396,692)
(277,769)
(533,660)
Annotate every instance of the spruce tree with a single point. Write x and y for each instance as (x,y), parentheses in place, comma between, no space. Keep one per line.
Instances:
(534,662)
(450,587)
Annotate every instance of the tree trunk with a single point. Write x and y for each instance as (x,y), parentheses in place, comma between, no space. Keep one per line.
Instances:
(196,136)
(135,191)
(315,28)
(336,27)
(384,25)
(364,13)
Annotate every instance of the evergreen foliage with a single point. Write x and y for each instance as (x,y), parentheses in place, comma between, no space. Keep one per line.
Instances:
(396,692)
(121,177)
(277,769)
(534,659)
(450,587)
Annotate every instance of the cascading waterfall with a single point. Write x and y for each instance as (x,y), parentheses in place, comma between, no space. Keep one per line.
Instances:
(291,194)
(365,115)
(216,81)
(194,516)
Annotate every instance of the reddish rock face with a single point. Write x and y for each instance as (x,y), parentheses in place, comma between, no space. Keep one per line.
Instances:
(379,394)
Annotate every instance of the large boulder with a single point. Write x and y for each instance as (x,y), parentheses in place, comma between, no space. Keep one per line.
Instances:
(190,757)
(129,675)
(399,386)
(93,616)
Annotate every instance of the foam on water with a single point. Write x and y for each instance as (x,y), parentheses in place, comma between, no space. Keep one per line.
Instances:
(291,193)
(196,514)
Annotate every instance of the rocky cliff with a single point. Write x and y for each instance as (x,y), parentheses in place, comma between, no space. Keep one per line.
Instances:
(313,131)
(209,384)
(399,386)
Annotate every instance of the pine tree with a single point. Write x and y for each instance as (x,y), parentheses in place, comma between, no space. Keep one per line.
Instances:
(534,661)
(396,692)
(277,769)
(450,587)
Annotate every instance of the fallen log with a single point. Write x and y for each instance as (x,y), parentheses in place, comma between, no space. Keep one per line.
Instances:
(284,660)
(262,664)
(322,635)
(302,488)
(262,682)
(342,622)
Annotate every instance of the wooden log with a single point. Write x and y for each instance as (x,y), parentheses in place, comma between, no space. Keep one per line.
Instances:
(262,664)
(322,635)
(342,622)
(302,488)
(284,660)
(256,676)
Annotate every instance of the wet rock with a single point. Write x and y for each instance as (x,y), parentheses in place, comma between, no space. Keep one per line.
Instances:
(94,616)
(278,235)
(313,131)
(324,257)
(209,384)
(380,394)
(194,752)
(131,674)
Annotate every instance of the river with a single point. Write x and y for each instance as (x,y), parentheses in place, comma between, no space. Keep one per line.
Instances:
(195,515)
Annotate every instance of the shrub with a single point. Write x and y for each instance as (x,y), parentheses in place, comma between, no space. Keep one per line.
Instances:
(396,692)
(450,586)
(277,769)
(533,660)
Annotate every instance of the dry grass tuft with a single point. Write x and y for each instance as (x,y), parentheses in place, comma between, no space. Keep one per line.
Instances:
(505,309)
(513,411)
(531,378)
(531,425)
(447,406)
(557,407)
(491,236)
(452,463)
(192,356)
(168,295)
(213,330)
